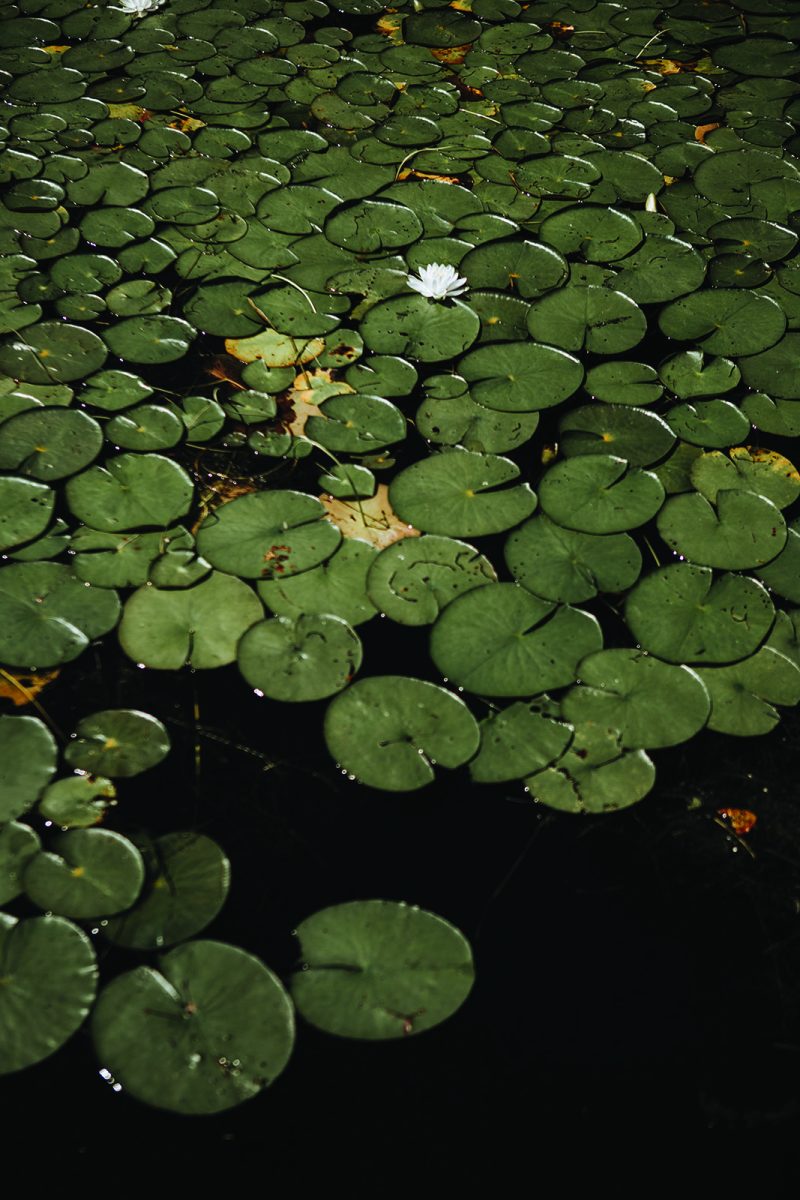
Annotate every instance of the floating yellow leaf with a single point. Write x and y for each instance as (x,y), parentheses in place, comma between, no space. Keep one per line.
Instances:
(452,55)
(372,520)
(741,820)
(275,349)
(22,689)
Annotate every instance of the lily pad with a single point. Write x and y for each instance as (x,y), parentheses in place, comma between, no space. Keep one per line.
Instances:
(725,320)
(744,694)
(599,493)
(77,801)
(25,510)
(48,616)
(199,626)
(210,1029)
(503,641)
(389,731)
(85,873)
(447,494)
(419,328)
(414,579)
(518,739)
(308,658)
(130,492)
(751,469)
(50,979)
(375,969)
(682,614)
(49,443)
(589,318)
(267,535)
(708,423)
(626,431)
(53,352)
(650,702)
(155,339)
(18,845)
(28,757)
(521,377)
(119,742)
(567,566)
(338,586)
(595,775)
(188,877)
(740,531)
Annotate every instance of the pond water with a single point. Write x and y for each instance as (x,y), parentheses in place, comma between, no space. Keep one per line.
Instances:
(638,967)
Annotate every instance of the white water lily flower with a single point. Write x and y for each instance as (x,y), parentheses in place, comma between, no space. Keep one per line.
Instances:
(438,280)
(139,8)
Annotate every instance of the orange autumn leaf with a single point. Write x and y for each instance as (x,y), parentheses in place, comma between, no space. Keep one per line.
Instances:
(741,820)
(21,689)
(372,520)
(700,131)
(452,55)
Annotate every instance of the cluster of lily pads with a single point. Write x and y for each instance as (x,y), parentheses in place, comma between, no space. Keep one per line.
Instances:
(212,1026)
(398,253)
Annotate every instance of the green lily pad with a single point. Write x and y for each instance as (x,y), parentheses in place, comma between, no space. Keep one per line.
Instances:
(375,969)
(687,374)
(200,626)
(503,641)
(558,176)
(389,731)
(589,318)
(306,658)
(370,226)
(628,432)
(775,371)
(597,233)
(338,586)
(567,566)
(743,695)
(114,390)
(741,531)
(49,443)
(206,1032)
(518,739)
(77,801)
(48,616)
(119,742)
(188,877)
(53,352)
(27,761)
(782,575)
(25,510)
(85,873)
(662,269)
(412,580)
(145,427)
(530,268)
(348,482)
(150,339)
(650,702)
(119,559)
(725,320)
(50,979)
(355,424)
(713,423)
(595,775)
(599,493)
(460,494)
(18,845)
(682,614)
(129,492)
(419,328)
(521,377)
(267,535)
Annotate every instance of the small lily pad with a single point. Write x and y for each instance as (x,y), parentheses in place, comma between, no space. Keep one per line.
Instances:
(308,658)
(85,873)
(119,742)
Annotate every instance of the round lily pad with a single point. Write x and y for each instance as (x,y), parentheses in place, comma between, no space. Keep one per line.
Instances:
(77,801)
(503,641)
(626,431)
(743,695)
(119,742)
(682,614)
(200,626)
(53,352)
(85,873)
(459,494)
(210,1029)
(188,877)
(418,328)
(725,320)
(650,702)
(375,969)
(529,268)
(595,775)
(308,658)
(49,984)
(568,566)
(337,586)
(775,371)
(751,469)
(414,579)
(129,492)
(521,377)
(740,531)
(662,269)
(708,423)
(589,318)
(389,731)
(516,740)
(268,535)
(598,233)
(49,443)
(689,373)
(155,339)
(48,615)
(599,493)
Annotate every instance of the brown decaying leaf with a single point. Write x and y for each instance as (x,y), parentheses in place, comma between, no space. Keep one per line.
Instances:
(372,520)
(741,820)
(21,689)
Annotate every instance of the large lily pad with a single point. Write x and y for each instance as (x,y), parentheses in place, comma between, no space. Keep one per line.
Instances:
(85,873)
(376,969)
(308,658)
(48,615)
(131,491)
(600,493)
(268,535)
(119,742)
(207,1031)
(28,757)
(419,328)
(414,579)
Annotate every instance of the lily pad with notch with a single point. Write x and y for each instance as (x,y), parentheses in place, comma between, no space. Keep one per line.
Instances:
(504,641)
(412,580)
(309,657)
(587,317)
(131,491)
(26,508)
(53,352)
(751,469)
(48,616)
(18,845)
(119,742)
(629,432)
(521,377)
(739,532)
(28,756)
(595,775)
(85,873)
(743,695)
(525,736)
(599,493)
(567,566)
(389,731)
(725,320)
(77,801)
(208,1030)
(419,328)
(338,586)
(711,423)
(624,383)
(376,969)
